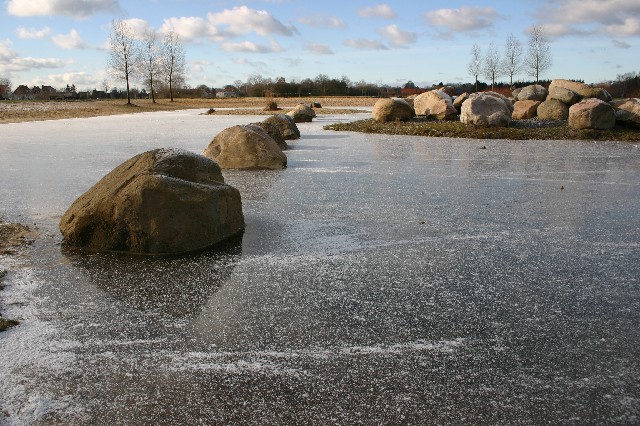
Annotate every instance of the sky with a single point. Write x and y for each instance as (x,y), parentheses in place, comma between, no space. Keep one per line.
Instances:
(60,42)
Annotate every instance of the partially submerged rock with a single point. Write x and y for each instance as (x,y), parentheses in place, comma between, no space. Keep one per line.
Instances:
(245,147)
(286,125)
(165,201)
(392,109)
(273,131)
(302,113)
(435,103)
(592,113)
(486,109)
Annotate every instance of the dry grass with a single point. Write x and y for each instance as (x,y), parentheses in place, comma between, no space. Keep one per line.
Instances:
(519,130)
(21,111)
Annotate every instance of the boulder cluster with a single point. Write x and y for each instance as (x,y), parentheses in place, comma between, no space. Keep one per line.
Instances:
(171,201)
(584,106)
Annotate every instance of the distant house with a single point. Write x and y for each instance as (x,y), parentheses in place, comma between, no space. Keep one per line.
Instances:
(22,92)
(226,94)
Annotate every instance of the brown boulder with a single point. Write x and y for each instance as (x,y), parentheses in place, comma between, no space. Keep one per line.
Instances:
(245,147)
(457,103)
(302,113)
(486,109)
(435,103)
(553,109)
(273,131)
(165,201)
(628,112)
(592,113)
(582,89)
(388,109)
(286,125)
(564,95)
(533,92)
(523,110)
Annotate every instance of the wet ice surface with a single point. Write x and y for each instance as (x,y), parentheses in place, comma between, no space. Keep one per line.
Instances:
(379,280)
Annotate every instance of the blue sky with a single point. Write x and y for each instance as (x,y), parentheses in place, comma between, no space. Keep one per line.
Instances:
(59,42)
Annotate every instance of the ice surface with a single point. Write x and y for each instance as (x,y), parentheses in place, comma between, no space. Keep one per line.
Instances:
(380,280)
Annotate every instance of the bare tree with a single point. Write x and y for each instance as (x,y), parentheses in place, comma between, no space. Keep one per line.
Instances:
(538,58)
(512,61)
(123,56)
(173,60)
(492,69)
(475,65)
(150,62)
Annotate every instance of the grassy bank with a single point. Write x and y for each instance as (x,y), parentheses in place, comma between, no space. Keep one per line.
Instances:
(23,111)
(519,130)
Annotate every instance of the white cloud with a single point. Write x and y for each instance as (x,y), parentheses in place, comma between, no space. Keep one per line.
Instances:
(243,20)
(396,36)
(255,64)
(139,27)
(249,46)
(464,19)
(319,49)
(32,33)
(79,79)
(11,62)
(69,41)
(364,44)
(192,28)
(379,11)
(80,9)
(620,18)
(319,20)
(229,23)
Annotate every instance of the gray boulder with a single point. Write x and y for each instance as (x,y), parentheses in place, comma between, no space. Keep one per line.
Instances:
(286,125)
(564,95)
(302,113)
(165,201)
(592,113)
(553,109)
(245,147)
(388,109)
(484,109)
(435,103)
(534,92)
(523,110)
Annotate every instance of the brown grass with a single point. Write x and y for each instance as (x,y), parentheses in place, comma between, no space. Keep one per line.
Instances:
(21,111)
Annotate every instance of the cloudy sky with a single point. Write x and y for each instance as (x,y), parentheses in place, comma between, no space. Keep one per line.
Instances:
(59,42)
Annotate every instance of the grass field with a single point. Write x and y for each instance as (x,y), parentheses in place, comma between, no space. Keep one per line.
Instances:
(21,111)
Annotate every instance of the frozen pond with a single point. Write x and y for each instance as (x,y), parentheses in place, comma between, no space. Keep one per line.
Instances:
(380,280)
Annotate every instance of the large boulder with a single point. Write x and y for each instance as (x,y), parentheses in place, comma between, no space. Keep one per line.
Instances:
(245,147)
(435,103)
(508,102)
(582,89)
(553,109)
(628,112)
(273,131)
(302,113)
(392,109)
(457,102)
(286,125)
(523,110)
(592,113)
(564,95)
(534,92)
(484,109)
(165,201)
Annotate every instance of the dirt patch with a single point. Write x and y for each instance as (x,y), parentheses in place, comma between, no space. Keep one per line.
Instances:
(13,238)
